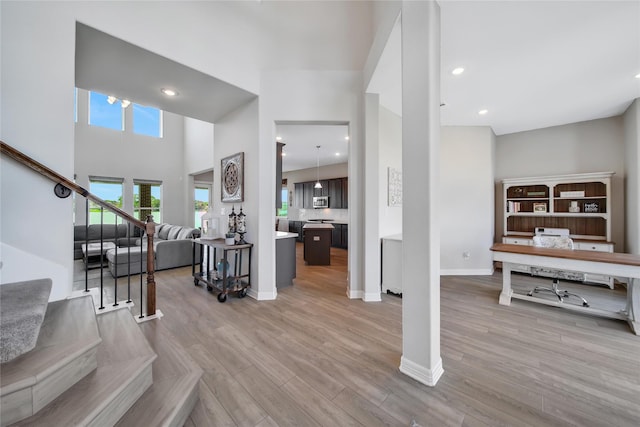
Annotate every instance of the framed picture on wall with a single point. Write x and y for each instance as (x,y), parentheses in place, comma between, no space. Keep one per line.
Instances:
(232,181)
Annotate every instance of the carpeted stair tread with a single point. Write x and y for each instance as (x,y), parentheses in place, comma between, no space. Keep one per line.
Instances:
(22,309)
(176,377)
(124,360)
(64,354)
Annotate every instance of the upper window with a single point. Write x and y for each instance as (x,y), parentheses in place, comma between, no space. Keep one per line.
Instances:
(109,190)
(147,121)
(104,113)
(147,197)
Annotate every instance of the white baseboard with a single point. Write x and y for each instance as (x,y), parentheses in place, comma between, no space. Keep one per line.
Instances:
(146,318)
(262,296)
(419,373)
(354,294)
(467,272)
(372,297)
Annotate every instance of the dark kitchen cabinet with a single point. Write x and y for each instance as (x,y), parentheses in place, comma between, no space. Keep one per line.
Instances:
(308,195)
(296,227)
(338,193)
(340,236)
(335,193)
(324,191)
(336,189)
(345,192)
(298,195)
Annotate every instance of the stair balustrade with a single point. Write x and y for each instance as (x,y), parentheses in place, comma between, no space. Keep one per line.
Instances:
(147,228)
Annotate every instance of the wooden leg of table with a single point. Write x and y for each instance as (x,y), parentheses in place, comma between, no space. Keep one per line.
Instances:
(505,295)
(633,305)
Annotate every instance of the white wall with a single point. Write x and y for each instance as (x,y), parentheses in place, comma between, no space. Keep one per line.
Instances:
(198,157)
(390,146)
(37,104)
(123,154)
(466,199)
(238,132)
(632,181)
(198,146)
(591,146)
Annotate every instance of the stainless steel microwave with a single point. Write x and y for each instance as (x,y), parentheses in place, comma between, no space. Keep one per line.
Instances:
(321,202)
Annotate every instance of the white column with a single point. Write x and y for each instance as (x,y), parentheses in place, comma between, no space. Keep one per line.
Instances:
(420,171)
(371,199)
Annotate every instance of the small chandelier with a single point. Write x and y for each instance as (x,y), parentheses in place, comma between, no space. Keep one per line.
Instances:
(318,185)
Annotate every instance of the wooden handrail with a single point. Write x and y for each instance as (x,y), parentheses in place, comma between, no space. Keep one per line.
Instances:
(148,226)
(54,176)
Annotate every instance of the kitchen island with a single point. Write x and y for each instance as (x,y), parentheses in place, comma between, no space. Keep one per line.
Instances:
(285,258)
(317,243)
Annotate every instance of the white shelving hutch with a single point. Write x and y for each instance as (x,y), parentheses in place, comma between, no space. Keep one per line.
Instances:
(579,202)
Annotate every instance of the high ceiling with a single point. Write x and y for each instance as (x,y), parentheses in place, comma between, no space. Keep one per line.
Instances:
(112,66)
(530,64)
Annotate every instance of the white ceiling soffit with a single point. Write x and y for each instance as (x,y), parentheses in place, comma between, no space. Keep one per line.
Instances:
(301,140)
(112,66)
(530,64)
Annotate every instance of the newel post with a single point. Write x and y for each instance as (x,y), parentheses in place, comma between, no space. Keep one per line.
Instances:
(151,283)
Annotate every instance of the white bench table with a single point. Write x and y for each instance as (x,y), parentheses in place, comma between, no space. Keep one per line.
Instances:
(93,253)
(624,266)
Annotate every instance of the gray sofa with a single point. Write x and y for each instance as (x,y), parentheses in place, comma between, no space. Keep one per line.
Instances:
(110,232)
(172,246)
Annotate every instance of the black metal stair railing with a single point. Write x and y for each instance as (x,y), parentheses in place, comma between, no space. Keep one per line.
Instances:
(116,276)
(64,187)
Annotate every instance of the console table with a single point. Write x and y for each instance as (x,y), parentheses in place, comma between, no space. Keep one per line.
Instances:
(626,266)
(220,276)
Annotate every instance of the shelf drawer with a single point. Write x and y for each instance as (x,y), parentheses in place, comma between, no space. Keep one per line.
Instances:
(517,241)
(596,247)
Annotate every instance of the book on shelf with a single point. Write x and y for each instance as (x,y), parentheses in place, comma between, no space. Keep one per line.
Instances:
(513,207)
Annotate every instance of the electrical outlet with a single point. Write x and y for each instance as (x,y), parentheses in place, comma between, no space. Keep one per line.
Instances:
(466,254)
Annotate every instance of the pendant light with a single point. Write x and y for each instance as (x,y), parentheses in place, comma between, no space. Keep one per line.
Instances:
(318,185)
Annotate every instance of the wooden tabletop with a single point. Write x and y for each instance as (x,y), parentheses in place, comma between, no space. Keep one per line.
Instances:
(612,258)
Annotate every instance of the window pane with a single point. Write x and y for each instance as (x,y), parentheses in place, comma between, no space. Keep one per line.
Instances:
(146,120)
(146,201)
(283,210)
(201,204)
(110,192)
(101,113)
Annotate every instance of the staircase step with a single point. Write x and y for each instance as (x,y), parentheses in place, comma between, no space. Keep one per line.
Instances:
(176,378)
(22,309)
(65,353)
(123,374)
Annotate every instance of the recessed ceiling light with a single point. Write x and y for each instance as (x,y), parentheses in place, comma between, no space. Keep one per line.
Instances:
(457,71)
(337,154)
(638,76)
(169,92)
(483,112)
(346,138)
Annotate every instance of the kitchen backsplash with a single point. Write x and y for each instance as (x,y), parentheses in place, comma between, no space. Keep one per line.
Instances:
(340,215)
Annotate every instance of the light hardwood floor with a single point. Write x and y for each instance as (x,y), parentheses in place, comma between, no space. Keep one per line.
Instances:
(314,357)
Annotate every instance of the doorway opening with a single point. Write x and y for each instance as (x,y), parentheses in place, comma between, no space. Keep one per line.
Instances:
(315,186)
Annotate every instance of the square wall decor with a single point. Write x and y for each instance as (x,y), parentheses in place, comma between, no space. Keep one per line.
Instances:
(233,178)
